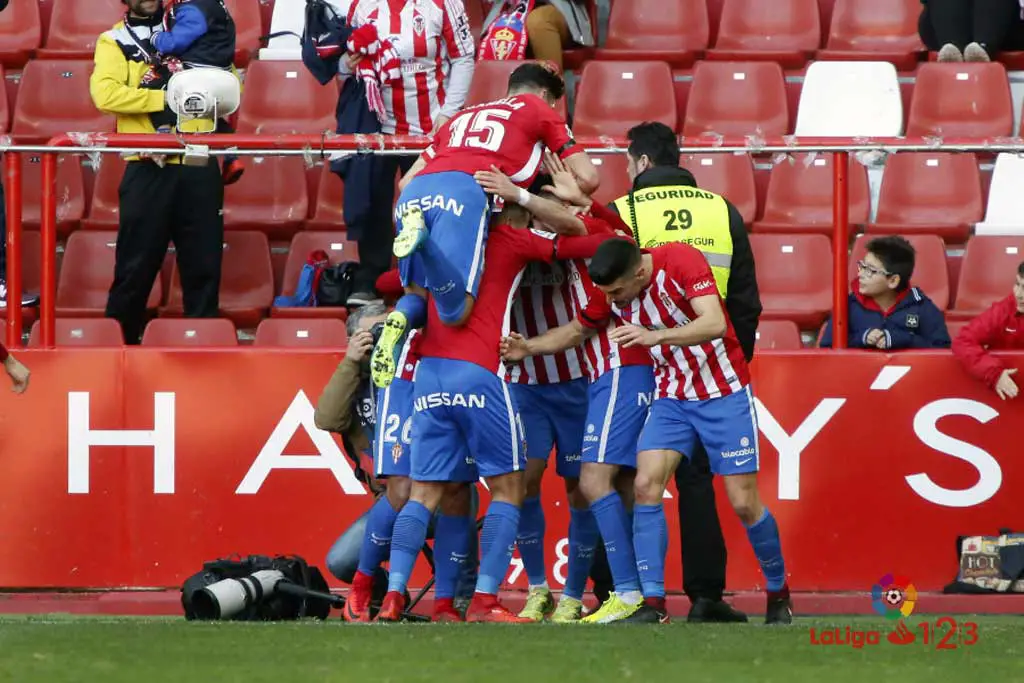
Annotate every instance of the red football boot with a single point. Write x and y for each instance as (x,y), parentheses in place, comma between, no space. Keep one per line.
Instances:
(445,612)
(392,608)
(486,609)
(357,606)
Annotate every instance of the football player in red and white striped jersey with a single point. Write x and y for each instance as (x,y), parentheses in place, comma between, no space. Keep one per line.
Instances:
(668,303)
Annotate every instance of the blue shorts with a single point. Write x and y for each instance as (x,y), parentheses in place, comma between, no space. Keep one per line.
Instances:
(463,416)
(727,427)
(457,212)
(391,447)
(619,402)
(553,415)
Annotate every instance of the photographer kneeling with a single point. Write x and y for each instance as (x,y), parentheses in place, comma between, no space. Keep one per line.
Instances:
(351,406)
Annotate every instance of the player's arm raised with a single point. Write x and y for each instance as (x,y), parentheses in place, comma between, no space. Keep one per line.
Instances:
(551,213)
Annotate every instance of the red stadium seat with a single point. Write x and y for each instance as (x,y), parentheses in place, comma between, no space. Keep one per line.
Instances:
(730,175)
(105,206)
(82,332)
(75,25)
(931,274)
(272,196)
(782,31)
(70,192)
(87,273)
(615,96)
(955,326)
(248,28)
(930,192)
(283,97)
(246,284)
(190,332)
(884,30)
(674,32)
(800,193)
(297,332)
(777,335)
(611,168)
(5,106)
(328,214)
(987,273)
(490,83)
(54,98)
(740,98)
(303,244)
(794,275)
(969,100)
(20,32)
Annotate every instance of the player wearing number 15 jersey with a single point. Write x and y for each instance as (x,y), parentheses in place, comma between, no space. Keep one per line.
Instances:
(444,214)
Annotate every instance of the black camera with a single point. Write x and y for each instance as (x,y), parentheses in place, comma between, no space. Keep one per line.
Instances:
(376,331)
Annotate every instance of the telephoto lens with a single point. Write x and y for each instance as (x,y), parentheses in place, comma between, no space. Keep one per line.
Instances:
(376,331)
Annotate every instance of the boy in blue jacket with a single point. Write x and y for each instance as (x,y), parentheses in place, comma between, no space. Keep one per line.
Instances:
(885,311)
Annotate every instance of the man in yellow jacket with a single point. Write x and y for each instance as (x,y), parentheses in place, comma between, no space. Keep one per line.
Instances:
(161,200)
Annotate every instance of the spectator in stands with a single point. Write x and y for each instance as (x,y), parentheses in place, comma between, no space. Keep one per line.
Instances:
(160,198)
(1001,327)
(550,27)
(435,45)
(971,30)
(885,312)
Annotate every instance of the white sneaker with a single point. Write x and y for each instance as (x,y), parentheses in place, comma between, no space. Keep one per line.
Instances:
(975,53)
(950,53)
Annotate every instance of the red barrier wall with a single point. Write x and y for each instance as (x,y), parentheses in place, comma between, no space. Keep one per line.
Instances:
(871,463)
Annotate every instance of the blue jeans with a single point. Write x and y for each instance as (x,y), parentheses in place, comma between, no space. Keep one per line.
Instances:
(343,557)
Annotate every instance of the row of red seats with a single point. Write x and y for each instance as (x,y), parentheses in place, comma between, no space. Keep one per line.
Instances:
(921,193)
(726,98)
(794,274)
(284,332)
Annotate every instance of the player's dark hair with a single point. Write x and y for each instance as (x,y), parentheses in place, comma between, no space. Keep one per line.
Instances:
(897,256)
(656,140)
(540,181)
(1020,269)
(536,77)
(613,259)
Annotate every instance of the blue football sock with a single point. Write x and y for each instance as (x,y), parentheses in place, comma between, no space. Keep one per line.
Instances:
(451,550)
(616,532)
(407,543)
(414,307)
(377,539)
(583,535)
(649,530)
(764,537)
(530,540)
(446,283)
(496,542)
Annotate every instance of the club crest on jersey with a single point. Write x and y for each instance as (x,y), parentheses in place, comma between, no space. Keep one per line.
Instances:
(667,301)
(419,24)
(913,322)
(502,43)
(396,453)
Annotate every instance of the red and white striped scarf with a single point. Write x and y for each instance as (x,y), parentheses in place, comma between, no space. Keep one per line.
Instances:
(379,65)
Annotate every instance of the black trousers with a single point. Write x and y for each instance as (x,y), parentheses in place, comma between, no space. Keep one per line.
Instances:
(377,237)
(702,543)
(995,24)
(176,203)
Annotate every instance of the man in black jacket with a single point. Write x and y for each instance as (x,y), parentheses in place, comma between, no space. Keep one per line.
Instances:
(662,190)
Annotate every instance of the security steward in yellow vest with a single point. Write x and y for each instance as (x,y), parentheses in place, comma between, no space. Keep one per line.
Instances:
(161,200)
(665,205)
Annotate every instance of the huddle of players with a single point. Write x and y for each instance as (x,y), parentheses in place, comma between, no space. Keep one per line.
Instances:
(629,359)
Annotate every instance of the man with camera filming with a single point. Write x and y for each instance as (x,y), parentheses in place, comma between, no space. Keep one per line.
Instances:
(375,429)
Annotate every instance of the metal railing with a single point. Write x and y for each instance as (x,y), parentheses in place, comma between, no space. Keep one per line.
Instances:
(318,147)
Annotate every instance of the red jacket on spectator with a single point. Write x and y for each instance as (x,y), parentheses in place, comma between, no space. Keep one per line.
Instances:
(1001,327)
